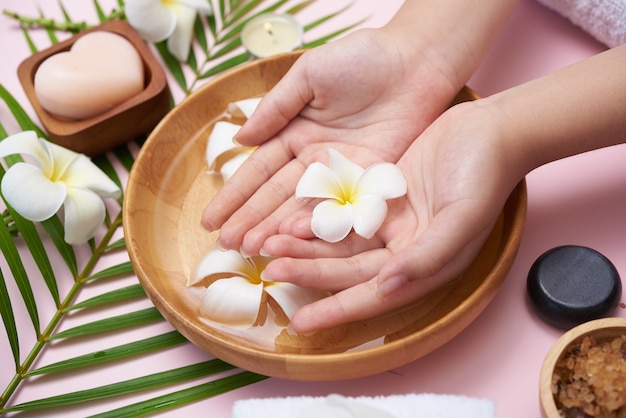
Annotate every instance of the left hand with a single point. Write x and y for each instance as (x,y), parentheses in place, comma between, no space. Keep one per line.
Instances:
(459,176)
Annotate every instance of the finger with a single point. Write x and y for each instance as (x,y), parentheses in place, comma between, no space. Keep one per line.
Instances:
(327,273)
(258,167)
(441,252)
(254,239)
(298,224)
(278,107)
(261,203)
(355,303)
(288,246)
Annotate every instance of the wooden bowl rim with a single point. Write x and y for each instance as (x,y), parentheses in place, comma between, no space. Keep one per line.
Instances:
(604,326)
(464,313)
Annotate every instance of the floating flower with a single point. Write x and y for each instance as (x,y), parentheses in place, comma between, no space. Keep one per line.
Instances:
(157,20)
(236,289)
(223,154)
(59,177)
(355,197)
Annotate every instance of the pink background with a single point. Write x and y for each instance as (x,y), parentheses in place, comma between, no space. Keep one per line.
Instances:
(581,200)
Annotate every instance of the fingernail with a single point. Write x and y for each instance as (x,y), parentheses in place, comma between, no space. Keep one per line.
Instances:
(391,285)
(265,277)
(264,253)
(244,253)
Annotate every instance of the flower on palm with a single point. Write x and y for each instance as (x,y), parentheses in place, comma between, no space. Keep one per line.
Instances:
(354,197)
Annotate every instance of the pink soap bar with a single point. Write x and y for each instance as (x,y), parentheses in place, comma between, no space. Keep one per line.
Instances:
(100,71)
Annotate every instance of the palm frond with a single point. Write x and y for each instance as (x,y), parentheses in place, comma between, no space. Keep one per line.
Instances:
(8,319)
(131,319)
(18,112)
(114,296)
(182,397)
(124,351)
(117,270)
(14,260)
(139,384)
(35,245)
(55,231)
(217,48)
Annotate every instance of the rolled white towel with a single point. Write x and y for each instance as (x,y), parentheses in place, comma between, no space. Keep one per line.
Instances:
(397,406)
(605,20)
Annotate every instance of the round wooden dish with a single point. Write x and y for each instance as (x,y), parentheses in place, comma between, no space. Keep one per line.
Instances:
(166,193)
(599,328)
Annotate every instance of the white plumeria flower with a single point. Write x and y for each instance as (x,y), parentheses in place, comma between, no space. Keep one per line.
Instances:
(223,154)
(236,290)
(157,20)
(355,197)
(59,177)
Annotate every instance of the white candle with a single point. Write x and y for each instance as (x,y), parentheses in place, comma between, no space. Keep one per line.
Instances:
(271,34)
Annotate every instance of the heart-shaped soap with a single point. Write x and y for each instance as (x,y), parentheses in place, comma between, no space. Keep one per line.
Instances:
(101,70)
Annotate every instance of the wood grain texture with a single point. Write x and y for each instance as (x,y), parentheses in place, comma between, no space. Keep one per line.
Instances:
(168,189)
(124,122)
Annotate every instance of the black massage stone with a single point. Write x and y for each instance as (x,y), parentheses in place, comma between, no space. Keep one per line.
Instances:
(569,285)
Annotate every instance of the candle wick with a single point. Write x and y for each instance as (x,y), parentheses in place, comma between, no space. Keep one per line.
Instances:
(268,28)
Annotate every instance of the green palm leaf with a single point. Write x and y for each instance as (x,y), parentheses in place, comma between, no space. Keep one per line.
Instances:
(131,319)
(55,231)
(113,271)
(35,245)
(144,383)
(22,118)
(182,397)
(14,260)
(114,296)
(8,319)
(173,65)
(124,351)
(217,48)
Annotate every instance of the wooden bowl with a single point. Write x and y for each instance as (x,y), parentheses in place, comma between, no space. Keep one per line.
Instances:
(600,329)
(124,122)
(169,187)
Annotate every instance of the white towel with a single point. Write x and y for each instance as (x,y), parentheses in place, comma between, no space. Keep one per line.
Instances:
(603,19)
(398,406)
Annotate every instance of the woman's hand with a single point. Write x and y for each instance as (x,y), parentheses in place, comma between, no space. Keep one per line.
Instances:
(366,95)
(459,176)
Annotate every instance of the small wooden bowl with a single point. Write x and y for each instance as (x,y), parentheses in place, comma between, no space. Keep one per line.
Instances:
(599,328)
(126,121)
(168,188)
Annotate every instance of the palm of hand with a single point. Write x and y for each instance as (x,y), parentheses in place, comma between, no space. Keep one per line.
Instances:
(458,181)
(353,95)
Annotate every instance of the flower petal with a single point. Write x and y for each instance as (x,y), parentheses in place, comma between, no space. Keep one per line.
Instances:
(31,193)
(232,165)
(347,172)
(319,181)
(152,19)
(201,6)
(84,214)
(25,142)
(291,297)
(384,179)
(219,261)
(179,42)
(331,221)
(233,301)
(245,107)
(369,212)
(220,141)
(81,172)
